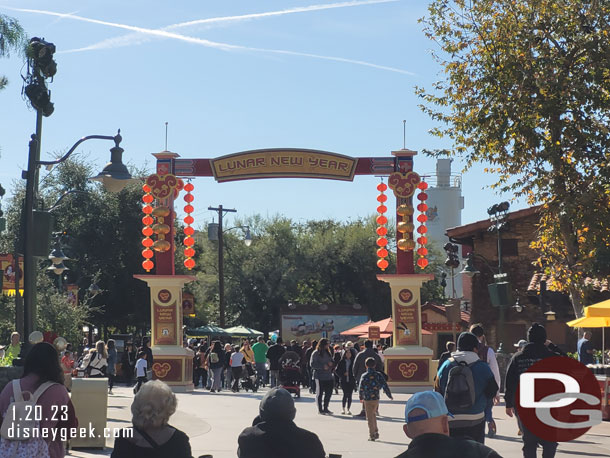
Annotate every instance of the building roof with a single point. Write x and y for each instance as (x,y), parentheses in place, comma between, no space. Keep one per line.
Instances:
(465,316)
(596,284)
(468,230)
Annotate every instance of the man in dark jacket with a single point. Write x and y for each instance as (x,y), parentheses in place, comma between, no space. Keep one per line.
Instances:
(274,434)
(537,349)
(450,346)
(274,354)
(428,427)
(360,366)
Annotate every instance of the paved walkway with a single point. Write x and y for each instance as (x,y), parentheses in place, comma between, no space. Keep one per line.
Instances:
(213,422)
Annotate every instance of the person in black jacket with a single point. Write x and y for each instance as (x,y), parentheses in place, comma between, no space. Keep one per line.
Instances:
(274,433)
(537,349)
(450,346)
(310,350)
(345,372)
(428,427)
(274,354)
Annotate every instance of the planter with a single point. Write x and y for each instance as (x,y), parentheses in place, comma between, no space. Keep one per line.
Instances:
(9,373)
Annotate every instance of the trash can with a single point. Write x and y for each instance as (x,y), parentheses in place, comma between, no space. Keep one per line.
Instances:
(90,399)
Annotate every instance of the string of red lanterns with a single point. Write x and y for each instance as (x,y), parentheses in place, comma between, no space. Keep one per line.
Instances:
(189,241)
(422,240)
(147,231)
(382,230)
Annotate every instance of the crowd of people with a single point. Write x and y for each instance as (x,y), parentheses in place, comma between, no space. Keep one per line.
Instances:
(449,421)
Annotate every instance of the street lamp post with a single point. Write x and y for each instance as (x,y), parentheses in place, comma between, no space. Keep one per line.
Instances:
(114,177)
(220,237)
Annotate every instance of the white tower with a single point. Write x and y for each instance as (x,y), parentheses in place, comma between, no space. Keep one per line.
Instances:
(445,205)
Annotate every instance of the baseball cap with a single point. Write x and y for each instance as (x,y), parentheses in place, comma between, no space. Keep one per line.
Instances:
(521,343)
(430,402)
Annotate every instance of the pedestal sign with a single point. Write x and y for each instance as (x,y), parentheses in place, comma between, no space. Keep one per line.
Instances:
(374,333)
(173,363)
(408,364)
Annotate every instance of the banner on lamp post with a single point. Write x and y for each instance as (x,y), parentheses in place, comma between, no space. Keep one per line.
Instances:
(374,333)
(188,305)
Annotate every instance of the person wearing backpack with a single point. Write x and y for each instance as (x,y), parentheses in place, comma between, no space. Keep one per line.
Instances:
(41,385)
(95,362)
(488,355)
(216,364)
(467,384)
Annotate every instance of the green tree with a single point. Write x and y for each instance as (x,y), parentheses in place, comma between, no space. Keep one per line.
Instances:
(526,89)
(104,243)
(12,38)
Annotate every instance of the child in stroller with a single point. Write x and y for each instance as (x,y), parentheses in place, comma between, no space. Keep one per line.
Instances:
(249,380)
(290,373)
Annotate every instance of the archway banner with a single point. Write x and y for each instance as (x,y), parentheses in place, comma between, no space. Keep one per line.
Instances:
(283,163)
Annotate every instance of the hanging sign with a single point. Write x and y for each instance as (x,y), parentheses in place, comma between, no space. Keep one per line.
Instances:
(374,333)
(283,163)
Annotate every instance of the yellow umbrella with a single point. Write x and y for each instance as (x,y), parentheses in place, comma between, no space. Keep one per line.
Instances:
(601,309)
(593,322)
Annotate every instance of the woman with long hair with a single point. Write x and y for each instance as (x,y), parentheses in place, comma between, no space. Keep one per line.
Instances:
(322,366)
(95,362)
(111,370)
(216,364)
(345,373)
(42,376)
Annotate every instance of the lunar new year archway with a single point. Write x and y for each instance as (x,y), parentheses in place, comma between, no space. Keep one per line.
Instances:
(408,364)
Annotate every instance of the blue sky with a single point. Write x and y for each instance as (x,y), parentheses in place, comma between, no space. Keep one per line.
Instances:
(335,76)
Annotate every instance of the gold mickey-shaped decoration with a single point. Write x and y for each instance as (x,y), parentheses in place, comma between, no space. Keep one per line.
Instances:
(405,244)
(160,212)
(402,227)
(160,229)
(404,210)
(161,246)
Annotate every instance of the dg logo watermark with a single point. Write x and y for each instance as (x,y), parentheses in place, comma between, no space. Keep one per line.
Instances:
(558,399)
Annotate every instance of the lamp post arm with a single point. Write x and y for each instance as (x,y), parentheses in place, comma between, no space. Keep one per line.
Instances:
(64,195)
(236,227)
(484,259)
(117,139)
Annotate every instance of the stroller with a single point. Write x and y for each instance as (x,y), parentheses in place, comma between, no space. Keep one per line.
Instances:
(290,373)
(249,380)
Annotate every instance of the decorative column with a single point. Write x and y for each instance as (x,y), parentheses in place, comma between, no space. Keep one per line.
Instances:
(173,363)
(408,364)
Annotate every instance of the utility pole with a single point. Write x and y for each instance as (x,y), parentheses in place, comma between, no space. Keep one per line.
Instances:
(221,281)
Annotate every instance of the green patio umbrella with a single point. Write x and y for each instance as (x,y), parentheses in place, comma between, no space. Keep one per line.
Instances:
(207,331)
(243,331)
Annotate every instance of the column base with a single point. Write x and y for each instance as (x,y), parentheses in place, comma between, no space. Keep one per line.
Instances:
(410,368)
(174,366)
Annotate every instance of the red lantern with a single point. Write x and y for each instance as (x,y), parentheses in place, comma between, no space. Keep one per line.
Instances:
(422,229)
(148,220)
(147,231)
(382,253)
(382,198)
(147,242)
(422,185)
(382,264)
(147,209)
(422,251)
(147,265)
(147,253)
(422,207)
(381,187)
(422,196)
(422,263)
(189,252)
(382,230)
(146,188)
(422,218)
(382,209)
(381,220)
(382,241)
(422,240)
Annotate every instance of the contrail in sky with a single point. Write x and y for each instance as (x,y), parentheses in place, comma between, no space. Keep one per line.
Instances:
(137,38)
(207,43)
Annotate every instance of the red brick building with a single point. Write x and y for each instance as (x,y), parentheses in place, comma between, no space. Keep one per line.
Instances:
(517,262)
